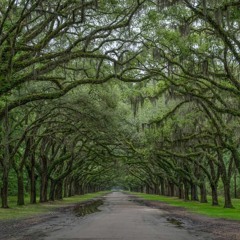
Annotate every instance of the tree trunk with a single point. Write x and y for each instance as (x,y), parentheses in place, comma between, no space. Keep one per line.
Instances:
(33,191)
(180,191)
(43,188)
(59,191)
(162,187)
(203,193)
(4,189)
(147,189)
(82,191)
(33,178)
(227,196)
(52,190)
(65,188)
(6,161)
(20,196)
(194,192)
(214,195)
(44,180)
(70,191)
(76,187)
(186,191)
(171,188)
(156,189)
(235,184)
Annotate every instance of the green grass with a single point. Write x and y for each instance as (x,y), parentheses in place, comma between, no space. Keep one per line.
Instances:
(29,210)
(200,208)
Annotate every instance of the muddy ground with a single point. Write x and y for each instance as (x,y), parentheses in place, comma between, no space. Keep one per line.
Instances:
(121,217)
(220,229)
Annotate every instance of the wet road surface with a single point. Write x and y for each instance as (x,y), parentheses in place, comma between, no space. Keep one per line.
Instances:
(119,218)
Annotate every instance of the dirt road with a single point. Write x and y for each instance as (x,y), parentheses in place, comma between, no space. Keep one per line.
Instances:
(119,218)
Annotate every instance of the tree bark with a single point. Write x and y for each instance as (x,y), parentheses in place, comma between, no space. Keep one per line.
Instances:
(33,191)
(227,195)
(70,190)
(162,187)
(6,161)
(171,186)
(194,192)
(59,190)
(20,196)
(4,189)
(43,188)
(214,195)
(203,193)
(44,180)
(180,191)
(52,190)
(186,191)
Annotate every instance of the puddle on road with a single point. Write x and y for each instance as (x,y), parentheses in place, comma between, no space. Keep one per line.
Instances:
(175,222)
(87,208)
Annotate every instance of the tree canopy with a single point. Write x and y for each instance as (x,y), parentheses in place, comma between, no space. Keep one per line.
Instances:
(141,95)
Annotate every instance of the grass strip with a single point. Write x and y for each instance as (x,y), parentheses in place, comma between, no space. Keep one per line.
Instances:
(29,210)
(197,207)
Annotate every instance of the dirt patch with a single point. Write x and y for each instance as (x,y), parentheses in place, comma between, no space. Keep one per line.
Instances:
(178,223)
(11,228)
(87,208)
(221,228)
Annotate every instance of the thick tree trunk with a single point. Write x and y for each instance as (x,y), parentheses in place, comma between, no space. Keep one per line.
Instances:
(6,161)
(156,189)
(82,190)
(194,192)
(70,190)
(147,189)
(180,191)
(20,196)
(59,191)
(203,193)
(4,189)
(33,178)
(76,188)
(162,187)
(214,195)
(44,180)
(235,184)
(227,196)
(33,191)
(43,188)
(186,191)
(171,188)
(52,190)
(65,188)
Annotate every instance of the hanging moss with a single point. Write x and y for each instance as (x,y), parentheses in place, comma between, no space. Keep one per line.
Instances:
(136,102)
(205,67)
(156,54)
(218,16)
(83,15)
(153,100)
(161,4)
(204,6)
(184,29)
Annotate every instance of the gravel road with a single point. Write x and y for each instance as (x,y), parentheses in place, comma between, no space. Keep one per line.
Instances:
(119,218)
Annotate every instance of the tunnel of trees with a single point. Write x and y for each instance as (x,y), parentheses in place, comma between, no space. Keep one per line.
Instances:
(142,95)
